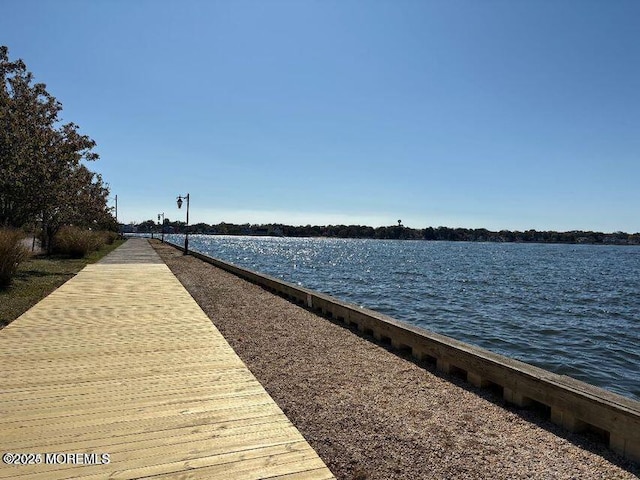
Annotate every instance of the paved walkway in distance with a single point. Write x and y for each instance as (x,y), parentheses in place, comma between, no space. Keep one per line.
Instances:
(120,360)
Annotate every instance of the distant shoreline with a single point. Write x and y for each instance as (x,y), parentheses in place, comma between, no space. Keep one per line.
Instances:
(395,232)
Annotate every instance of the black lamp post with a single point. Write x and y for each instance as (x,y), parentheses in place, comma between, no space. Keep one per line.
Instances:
(161,224)
(186,231)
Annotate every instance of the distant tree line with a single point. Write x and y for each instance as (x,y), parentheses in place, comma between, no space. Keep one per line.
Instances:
(394,232)
(45,181)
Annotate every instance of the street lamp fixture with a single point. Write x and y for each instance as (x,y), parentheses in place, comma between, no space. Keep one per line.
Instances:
(161,224)
(179,201)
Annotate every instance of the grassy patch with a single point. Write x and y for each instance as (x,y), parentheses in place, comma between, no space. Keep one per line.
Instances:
(38,277)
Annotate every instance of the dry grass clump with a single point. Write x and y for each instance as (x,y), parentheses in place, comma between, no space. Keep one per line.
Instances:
(12,252)
(77,242)
(108,237)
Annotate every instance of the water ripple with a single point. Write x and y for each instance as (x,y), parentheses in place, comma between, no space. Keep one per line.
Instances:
(572,309)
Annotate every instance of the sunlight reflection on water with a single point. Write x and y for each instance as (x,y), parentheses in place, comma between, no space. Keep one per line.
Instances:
(572,309)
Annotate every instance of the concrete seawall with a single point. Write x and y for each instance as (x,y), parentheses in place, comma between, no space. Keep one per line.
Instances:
(575,405)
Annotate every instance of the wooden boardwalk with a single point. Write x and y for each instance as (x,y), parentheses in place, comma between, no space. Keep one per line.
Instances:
(121,360)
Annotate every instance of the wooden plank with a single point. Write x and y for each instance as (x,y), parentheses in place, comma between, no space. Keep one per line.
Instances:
(32,439)
(128,396)
(136,440)
(256,460)
(12,427)
(156,382)
(174,449)
(239,468)
(98,407)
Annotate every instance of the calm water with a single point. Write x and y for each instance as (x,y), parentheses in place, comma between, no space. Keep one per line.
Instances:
(571,309)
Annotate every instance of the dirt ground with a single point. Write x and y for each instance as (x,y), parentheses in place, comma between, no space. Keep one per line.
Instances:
(372,414)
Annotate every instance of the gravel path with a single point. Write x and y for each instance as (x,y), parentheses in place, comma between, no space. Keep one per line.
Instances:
(371,414)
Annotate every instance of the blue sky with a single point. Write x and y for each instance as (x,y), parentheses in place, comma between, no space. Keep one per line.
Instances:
(497,114)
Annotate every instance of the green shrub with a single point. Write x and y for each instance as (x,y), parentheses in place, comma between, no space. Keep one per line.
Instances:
(76,242)
(12,252)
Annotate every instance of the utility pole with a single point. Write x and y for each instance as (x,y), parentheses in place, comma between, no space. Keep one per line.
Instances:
(186,230)
(161,224)
(117,224)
